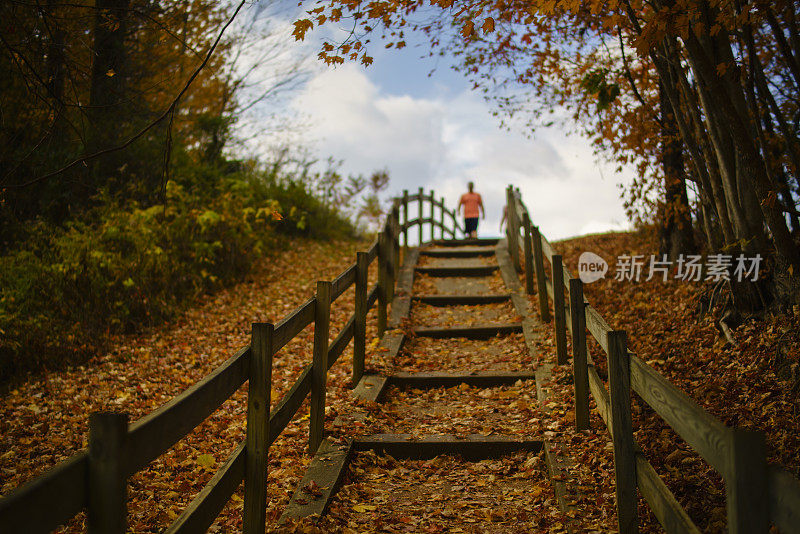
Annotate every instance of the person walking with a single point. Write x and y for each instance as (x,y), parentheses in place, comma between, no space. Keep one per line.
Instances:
(473,208)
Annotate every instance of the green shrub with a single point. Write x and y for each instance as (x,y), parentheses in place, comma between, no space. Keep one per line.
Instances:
(123,267)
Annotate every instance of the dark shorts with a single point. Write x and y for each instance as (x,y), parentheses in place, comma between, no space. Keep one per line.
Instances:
(470,224)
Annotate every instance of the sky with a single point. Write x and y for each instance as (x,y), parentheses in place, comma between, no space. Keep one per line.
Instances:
(435,132)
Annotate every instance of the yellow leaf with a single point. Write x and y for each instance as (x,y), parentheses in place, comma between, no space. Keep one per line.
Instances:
(488,25)
(206,460)
(363,508)
(110,73)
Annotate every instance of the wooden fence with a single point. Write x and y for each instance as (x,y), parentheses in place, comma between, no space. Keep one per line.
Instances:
(96,479)
(758,495)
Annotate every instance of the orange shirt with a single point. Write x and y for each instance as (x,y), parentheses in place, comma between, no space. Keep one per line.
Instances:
(472,203)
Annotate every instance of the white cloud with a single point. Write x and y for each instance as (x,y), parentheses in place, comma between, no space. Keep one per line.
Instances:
(441,142)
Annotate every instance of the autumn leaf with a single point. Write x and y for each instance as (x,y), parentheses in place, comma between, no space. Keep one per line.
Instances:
(300,28)
(467,29)
(206,460)
(488,25)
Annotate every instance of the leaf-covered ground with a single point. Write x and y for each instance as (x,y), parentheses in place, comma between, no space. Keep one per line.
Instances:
(46,420)
(444,494)
(749,385)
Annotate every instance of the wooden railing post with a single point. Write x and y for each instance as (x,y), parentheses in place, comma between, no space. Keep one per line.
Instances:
(441,221)
(382,281)
(433,226)
(558,309)
(513,228)
(580,371)
(746,483)
(360,321)
(419,206)
(108,482)
(319,371)
(529,269)
(394,256)
(405,217)
(257,441)
(619,381)
(541,283)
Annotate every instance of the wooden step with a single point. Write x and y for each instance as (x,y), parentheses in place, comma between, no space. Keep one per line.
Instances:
(478,331)
(465,242)
(458,270)
(470,447)
(458,252)
(455,300)
(481,379)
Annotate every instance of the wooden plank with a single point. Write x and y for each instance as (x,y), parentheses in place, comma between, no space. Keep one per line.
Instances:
(456,270)
(383,281)
(510,279)
(547,249)
(481,379)
(528,251)
(401,306)
(156,432)
(455,300)
(421,196)
(477,331)
(560,322)
(372,296)
(258,402)
(433,216)
(319,371)
(206,506)
(622,433)
(597,327)
(325,471)
(541,278)
(784,500)
(293,324)
(107,509)
(600,394)
(471,447)
(662,502)
(579,351)
(458,252)
(287,407)
(342,282)
(360,316)
(371,388)
(480,242)
(558,464)
(441,220)
(746,486)
(703,432)
(404,227)
(341,341)
(61,491)
(372,251)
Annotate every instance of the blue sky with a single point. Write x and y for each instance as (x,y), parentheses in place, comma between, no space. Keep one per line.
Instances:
(435,132)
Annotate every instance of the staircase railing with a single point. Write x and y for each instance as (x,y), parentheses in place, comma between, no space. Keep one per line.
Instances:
(96,479)
(757,494)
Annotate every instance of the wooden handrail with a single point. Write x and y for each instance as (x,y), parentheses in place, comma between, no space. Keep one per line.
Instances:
(713,441)
(294,323)
(153,434)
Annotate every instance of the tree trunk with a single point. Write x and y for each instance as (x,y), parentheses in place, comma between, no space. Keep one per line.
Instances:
(676,235)
(107,90)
